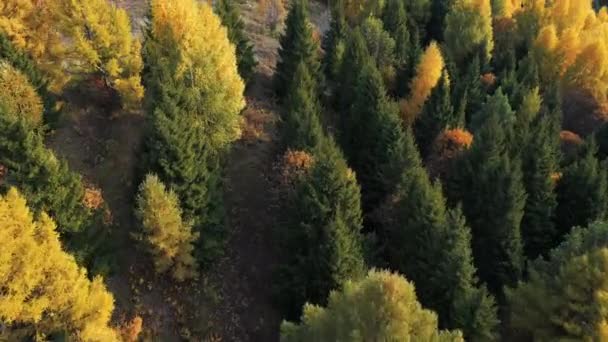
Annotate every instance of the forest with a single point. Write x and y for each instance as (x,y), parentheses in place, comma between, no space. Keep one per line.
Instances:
(303,170)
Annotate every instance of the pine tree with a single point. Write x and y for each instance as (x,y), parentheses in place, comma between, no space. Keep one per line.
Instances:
(372,137)
(231,19)
(297,44)
(382,306)
(381,47)
(581,192)
(395,22)
(356,56)
(322,235)
(437,115)
(432,245)
(168,237)
(42,286)
(561,300)
(439,10)
(334,41)
(488,182)
(301,126)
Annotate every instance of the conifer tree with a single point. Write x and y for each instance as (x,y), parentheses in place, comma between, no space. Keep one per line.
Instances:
(439,9)
(42,286)
(432,245)
(488,182)
(381,47)
(297,44)
(168,237)
(437,115)
(356,56)
(322,235)
(581,192)
(334,41)
(382,306)
(301,126)
(395,22)
(372,137)
(231,19)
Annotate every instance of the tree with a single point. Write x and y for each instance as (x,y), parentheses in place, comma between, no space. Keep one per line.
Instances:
(498,104)
(334,41)
(562,298)
(406,52)
(382,306)
(468,28)
(437,115)
(301,127)
(355,57)
(581,192)
(78,37)
(297,44)
(27,67)
(18,96)
(439,10)
(43,287)
(381,47)
(169,239)
(488,182)
(231,19)
(322,235)
(432,245)
(428,73)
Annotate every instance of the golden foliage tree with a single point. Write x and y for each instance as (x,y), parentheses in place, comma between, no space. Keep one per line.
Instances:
(468,27)
(428,73)
(169,238)
(206,63)
(42,286)
(67,37)
(18,96)
(381,307)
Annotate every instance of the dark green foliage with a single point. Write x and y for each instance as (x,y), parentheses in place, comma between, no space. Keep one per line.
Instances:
(297,45)
(468,95)
(372,137)
(437,115)
(431,245)
(334,41)
(488,182)
(581,192)
(439,8)
(45,181)
(395,23)
(231,19)
(24,63)
(601,136)
(301,127)
(355,57)
(322,235)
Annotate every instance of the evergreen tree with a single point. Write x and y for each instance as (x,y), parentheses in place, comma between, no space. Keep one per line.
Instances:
(488,182)
(297,45)
(43,288)
(468,95)
(432,245)
(581,192)
(382,306)
(24,63)
(372,137)
(381,47)
(439,9)
(561,300)
(301,126)
(437,115)
(168,237)
(356,56)
(231,19)
(406,52)
(322,235)
(334,41)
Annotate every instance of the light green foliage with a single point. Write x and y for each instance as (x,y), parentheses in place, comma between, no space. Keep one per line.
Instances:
(381,48)
(381,307)
(468,28)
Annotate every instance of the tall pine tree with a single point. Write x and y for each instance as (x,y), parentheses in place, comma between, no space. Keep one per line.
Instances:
(355,57)
(334,41)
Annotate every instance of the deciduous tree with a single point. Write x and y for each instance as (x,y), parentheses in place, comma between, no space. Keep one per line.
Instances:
(18,96)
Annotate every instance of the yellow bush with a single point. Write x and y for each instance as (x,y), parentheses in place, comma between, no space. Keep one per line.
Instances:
(18,96)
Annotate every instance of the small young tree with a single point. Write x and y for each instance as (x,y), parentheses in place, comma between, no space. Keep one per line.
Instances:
(231,19)
(382,306)
(18,96)
(169,239)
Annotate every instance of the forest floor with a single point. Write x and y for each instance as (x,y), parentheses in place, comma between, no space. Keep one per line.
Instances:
(232,300)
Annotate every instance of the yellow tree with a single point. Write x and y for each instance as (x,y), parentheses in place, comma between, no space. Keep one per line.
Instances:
(67,37)
(428,73)
(42,286)
(468,27)
(18,96)
(169,238)
(207,63)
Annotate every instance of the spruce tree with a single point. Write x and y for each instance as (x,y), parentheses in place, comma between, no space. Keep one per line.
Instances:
(301,125)
(355,57)
(406,52)
(432,245)
(488,181)
(322,235)
(334,41)
(296,45)
(437,115)
(231,19)
(581,192)
(372,137)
